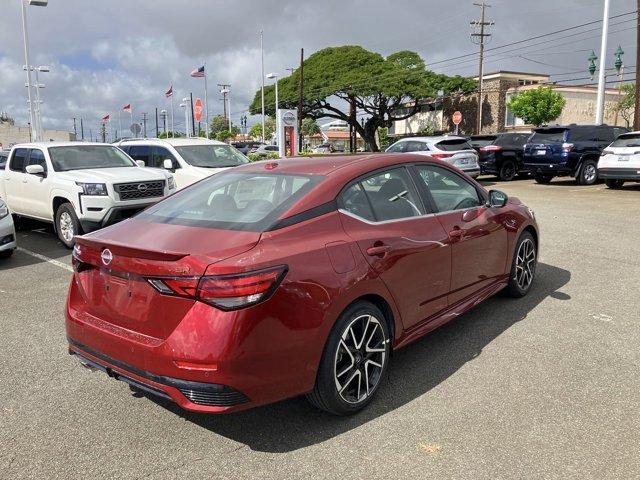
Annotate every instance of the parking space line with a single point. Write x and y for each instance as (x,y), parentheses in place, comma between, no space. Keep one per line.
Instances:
(44,258)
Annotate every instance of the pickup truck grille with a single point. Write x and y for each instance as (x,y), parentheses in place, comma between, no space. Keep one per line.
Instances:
(138,190)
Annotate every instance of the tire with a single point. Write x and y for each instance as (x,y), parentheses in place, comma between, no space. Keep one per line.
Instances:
(508,171)
(67,225)
(588,174)
(543,179)
(523,266)
(357,350)
(614,184)
(6,254)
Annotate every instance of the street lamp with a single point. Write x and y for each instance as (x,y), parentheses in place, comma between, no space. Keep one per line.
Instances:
(185,104)
(592,63)
(274,76)
(25,37)
(227,94)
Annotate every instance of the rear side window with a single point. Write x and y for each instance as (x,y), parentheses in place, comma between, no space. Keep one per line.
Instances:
(397,147)
(453,145)
(18,160)
(234,201)
(415,146)
(627,140)
(548,135)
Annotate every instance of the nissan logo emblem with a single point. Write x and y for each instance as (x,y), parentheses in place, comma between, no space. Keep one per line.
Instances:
(106,256)
(142,187)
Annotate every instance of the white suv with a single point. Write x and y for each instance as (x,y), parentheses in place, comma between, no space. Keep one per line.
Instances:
(620,161)
(451,149)
(77,186)
(190,159)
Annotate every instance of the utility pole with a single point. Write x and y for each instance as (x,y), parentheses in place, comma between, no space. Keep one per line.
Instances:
(163,115)
(193,117)
(603,64)
(75,131)
(144,124)
(479,38)
(352,119)
(636,116)
(103,132)
(157,128)
(82,126)
(224,90)
(300,101)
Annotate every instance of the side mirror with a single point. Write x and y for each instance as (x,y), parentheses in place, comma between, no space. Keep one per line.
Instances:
(497,199)
(167,164)
(141,163)
(35,170)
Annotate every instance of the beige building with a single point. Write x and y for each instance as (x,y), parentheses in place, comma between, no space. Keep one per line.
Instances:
(11,134)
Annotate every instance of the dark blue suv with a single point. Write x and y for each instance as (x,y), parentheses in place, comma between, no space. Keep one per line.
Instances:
(568,151)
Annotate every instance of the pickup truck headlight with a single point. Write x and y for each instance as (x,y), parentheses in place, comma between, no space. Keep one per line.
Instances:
(99,189)
(171,183)
(4,210)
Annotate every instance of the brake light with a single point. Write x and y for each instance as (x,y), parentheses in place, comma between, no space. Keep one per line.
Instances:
(567,147)
(226,292)
(491,148)
(440,156)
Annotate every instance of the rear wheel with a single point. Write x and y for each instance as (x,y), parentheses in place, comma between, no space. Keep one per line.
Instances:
(614,184)
(543,179)
(67,224)
(588,174)
(523,266)
(353,362)
(508,171)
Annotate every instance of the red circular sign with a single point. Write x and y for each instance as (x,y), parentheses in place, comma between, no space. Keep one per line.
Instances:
(457,118)
(197,110)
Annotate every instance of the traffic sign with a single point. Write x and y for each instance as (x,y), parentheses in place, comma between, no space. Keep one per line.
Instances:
(457,118)
(197,110)
(135,128)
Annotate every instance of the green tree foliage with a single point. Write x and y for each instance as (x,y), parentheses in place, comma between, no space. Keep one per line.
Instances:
(218,124)
(269,126)
(627,102)
(169,135)
(538,106)
(373,84)
(310,127)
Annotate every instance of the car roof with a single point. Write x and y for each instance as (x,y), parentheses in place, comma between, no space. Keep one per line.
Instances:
(433,138)
(59,144)
(176,142)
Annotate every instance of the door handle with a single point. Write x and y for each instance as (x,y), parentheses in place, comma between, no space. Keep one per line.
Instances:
(457,233)
(378,250)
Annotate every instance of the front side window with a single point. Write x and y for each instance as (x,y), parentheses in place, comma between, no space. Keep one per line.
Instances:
(160,154)
(36,157)
(233,201)
(18,160)
(83,157)
(389,195)
(448,190)
(141,152)
(212,156)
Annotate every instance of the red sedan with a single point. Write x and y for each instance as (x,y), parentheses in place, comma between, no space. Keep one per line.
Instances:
(300,276)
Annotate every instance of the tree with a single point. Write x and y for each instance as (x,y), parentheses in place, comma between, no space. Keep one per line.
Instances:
(384,89)
(224,135)
(538,106)
(269,126)
(218,124)
(310,127)
(627,102)
(169,135)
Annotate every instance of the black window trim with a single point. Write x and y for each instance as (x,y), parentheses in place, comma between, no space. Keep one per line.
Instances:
(24,162)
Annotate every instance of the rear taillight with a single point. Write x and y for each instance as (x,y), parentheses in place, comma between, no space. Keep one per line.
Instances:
(567,147)
(491,148)
(226,292)
(440,156)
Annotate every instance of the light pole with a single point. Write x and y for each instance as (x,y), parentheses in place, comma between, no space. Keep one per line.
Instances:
(603,62)
(38,111)
(619,65)
(226,91)
(274,76)
(163,115)
(185,105)
(25,36)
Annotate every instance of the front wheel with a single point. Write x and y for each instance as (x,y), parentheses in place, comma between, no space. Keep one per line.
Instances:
(588,174)
(67,224)
(523,266)
(614,184)
(353,362)
(6,254)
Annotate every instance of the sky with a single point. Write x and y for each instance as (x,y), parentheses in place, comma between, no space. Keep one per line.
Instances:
(105,54)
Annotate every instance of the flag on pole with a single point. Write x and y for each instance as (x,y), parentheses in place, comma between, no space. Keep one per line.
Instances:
(169,93)
(198,72)
(106,118)
(127,108)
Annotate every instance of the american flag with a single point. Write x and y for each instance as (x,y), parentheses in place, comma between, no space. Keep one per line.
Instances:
(198,72)
(106,118)
(127,108)
(169,93)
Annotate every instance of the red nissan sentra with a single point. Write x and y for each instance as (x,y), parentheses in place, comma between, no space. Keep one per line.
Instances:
(300,276)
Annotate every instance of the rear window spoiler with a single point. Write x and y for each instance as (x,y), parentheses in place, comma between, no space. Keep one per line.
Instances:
(127,251)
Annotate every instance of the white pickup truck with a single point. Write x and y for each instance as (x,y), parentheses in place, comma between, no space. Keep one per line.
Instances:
(78,186)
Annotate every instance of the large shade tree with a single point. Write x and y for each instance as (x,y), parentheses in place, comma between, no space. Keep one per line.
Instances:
(381,90)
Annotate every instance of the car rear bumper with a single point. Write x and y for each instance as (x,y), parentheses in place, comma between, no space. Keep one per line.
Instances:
(630,174)
(473,173)
(7,234)
(557,170)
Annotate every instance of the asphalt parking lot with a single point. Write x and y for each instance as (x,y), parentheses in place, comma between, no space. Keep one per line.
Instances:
(542,387)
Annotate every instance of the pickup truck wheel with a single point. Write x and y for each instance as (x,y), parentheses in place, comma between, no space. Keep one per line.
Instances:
(543,179)
(588,173)
(67,225)
(614,184)
(508,171)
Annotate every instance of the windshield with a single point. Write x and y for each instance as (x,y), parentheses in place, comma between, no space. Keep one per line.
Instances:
(548,135)
(233,201)
(632,140)
(482,141)
(82,157)
(212,156)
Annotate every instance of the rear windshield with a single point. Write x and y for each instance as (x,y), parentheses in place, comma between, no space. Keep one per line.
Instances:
(82,157)
(212,156)
(453,145)
(482,141)
(518,139)
(629,140)
(548,135)
(233,201)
